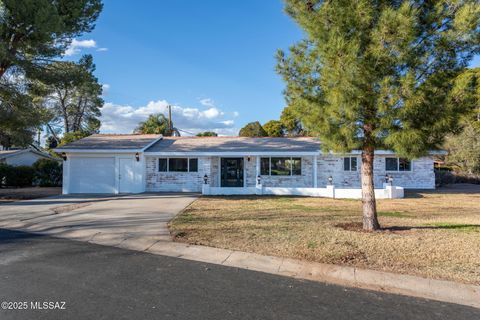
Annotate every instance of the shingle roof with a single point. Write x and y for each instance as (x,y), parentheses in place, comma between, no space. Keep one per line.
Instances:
(4,153)
(235,144)
(10,153)
(112,142)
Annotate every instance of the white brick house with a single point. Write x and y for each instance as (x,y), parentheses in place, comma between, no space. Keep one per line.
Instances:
(228,165)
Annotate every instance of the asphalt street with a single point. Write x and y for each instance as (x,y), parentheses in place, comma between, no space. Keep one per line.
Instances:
(51,278)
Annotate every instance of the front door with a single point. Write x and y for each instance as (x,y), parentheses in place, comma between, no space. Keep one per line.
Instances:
(125,175)
(232,172)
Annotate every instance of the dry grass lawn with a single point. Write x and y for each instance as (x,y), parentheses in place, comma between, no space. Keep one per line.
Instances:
(432,234)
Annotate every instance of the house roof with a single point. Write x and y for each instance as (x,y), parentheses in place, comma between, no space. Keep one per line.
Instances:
(111,142)
(244,145)
(11,153)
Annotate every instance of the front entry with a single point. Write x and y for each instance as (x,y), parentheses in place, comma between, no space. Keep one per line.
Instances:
(126,177)
(231,172)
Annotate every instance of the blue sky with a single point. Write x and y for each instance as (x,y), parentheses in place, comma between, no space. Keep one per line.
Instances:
(213,60)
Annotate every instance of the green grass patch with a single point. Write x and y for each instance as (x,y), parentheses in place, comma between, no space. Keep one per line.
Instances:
(395,214)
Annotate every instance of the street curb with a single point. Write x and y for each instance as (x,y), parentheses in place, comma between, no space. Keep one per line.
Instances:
(446,291)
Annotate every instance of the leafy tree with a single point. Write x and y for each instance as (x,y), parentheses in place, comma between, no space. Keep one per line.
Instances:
(207,134)
(274,128)
(72,93)
(464,150)
(291,122)
(253,129)
(51,142)
(464,146)
(32,34)
(73,136)
(380,74)
(19,118)
(155,124)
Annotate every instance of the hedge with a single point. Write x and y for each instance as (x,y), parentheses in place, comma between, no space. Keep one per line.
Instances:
(48,173)
(44,173)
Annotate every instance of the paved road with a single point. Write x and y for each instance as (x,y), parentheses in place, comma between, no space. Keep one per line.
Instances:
(99,282)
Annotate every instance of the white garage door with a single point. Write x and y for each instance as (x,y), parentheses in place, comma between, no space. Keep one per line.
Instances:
(92,175)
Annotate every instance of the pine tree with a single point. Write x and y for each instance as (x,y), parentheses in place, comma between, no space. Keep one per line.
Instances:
(380,75)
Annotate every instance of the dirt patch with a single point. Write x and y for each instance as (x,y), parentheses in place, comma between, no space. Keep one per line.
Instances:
(351,226)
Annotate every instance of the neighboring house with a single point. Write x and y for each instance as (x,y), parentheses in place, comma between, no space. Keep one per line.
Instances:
(229,165)
(23,157)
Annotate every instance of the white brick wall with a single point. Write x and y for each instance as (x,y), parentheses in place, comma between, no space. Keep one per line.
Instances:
(421,176)
(176,181)
(305,180)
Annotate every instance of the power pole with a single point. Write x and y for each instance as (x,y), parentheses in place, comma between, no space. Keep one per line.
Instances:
(170,124)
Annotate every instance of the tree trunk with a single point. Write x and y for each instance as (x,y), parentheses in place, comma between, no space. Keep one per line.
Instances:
(370,221)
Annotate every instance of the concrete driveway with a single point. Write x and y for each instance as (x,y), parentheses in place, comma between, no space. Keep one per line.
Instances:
(130,221)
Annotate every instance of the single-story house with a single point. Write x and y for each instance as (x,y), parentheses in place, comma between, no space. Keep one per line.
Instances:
(110,163)
(23,157)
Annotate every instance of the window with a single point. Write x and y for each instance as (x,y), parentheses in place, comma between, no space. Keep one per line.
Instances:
(350,164)
(398,164)
(404,165)
(265,166)
(193,165)
(162,165)
(296,166)
(178,165)
(281,166)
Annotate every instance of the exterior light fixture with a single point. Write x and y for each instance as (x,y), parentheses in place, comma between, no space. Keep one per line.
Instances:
(387,178)
(137,156)
(390,180)
(330,180)
(248,158)
(205,179)
(64,156)
(259,179)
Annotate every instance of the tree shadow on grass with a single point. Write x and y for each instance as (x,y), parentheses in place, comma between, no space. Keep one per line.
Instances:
(446,226)
(357,226)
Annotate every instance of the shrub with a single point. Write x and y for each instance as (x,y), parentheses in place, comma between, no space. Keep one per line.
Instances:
(447,177)
(21,176)
(5,170)
(48,173)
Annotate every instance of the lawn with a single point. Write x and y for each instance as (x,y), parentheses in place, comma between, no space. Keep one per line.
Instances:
(432,234)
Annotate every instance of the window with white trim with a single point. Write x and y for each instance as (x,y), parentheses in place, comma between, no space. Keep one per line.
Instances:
(350,164)
(178,164)
(281,166)
(398,164)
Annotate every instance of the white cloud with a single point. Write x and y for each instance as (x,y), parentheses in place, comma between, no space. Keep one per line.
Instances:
(207,102)
(105,88)
(102,49)
(236,114)
(77,45)
(123,119)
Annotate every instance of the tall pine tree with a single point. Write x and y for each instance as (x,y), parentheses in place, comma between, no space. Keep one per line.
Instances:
(380,75)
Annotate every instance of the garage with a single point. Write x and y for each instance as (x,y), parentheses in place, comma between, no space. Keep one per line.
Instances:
(92,175)
(106,163)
